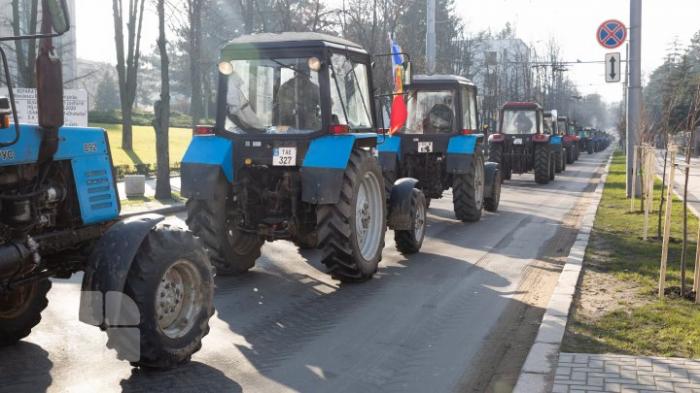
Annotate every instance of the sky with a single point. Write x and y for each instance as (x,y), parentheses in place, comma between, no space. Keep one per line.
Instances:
(572,23)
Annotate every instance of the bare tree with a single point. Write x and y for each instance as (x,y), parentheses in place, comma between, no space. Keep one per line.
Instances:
(193,48)
(128,63)
(161,108)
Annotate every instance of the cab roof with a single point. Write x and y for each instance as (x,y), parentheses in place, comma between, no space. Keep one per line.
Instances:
(521,105)
(441,79)
(289,39)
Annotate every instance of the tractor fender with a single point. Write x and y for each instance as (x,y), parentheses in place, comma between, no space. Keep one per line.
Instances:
(207,159)
(400,203)
(555,140)
(108,267)
(491,170)
(460,152)
(325,163)
(389,148)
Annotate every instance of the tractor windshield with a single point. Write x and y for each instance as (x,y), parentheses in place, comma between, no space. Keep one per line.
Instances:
(430,112)
(562,126)
(519,121)
(548,123)
(273,96)
(350,93)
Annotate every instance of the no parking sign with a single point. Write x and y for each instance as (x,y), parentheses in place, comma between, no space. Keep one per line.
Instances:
(611,33)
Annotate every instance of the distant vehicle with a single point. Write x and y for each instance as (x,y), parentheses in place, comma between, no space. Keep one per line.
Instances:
(556,140)
(520,145)
(586,140)
(570,139)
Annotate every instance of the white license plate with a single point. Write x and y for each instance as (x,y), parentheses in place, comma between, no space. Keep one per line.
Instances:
(284,156)
(517,141)
(425,147)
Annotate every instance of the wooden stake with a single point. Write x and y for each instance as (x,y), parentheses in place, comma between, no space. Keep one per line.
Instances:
(667,225)
(696,277)
(634,178)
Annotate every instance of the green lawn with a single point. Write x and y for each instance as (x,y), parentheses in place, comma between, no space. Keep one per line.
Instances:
(144,143)
(637,322)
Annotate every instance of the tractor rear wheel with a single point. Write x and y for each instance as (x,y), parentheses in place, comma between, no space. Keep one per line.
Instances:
(20,310)
(468,191)
(410,241)
(563,157)
(351,232)
(571,154)
(542,164)
(168,301)
(558,161)
(492,201)
(231,251)
(589,147)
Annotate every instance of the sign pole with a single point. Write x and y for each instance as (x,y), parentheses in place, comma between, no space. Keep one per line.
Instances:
(634,92)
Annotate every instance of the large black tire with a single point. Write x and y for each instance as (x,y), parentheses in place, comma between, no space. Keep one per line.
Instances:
(410,241)
(578,152)
(231,251)
(492,200)
(21,310)
(468,191)
(552,171)
(564,158)
(542,163)
(338,233)
(571,154)
(589,147)
(496,154)
(171,285)
(558,160)
(307,240)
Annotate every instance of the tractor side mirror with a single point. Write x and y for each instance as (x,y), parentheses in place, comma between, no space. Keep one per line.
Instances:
(408,74)
(58,14)
(49,90)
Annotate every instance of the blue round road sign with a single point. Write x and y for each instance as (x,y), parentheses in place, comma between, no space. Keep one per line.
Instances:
(611,33)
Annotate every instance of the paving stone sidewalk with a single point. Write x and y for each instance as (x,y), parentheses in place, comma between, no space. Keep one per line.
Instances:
(580,372)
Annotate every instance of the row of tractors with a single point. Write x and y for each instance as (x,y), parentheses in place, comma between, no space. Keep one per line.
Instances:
(296,153)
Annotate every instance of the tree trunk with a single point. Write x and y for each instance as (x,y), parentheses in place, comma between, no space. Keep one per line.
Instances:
(195,38)
(127,63)
(162,113)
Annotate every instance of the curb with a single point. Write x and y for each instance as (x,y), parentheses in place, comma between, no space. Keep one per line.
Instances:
(536,374)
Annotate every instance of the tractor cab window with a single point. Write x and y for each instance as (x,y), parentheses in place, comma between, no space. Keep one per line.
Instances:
(562,126)
(430,112)
(469,110)
(548,126)
(519,121)
(350,93)
(273,96)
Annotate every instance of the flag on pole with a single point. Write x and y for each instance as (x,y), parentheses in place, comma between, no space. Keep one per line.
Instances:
(399,113)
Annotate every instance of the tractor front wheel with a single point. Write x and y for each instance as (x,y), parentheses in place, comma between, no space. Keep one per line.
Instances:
(20,310)
(558,161)
(168,301)
(468,191)
(351,232)
(542,164)
(492,201)
(410,241)
(231,251)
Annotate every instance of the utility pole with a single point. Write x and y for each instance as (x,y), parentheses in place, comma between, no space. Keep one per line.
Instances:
(430,38)
(634,90)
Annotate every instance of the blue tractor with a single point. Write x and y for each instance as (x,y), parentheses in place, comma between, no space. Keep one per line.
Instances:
(556,140)
(440,146)
(293,155)
(147,284)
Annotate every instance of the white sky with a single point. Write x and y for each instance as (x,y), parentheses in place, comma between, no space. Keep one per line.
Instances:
(571,23)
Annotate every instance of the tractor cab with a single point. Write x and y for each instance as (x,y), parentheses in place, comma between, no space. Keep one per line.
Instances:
(441,104)
(569,139)
(551,126)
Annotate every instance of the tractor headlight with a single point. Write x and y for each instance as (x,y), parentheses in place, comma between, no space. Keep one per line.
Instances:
(226,68)
(314,63)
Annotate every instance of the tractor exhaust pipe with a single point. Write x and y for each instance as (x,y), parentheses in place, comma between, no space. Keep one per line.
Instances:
(11,257)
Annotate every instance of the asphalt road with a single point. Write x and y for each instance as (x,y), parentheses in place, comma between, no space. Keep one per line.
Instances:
(429,322)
